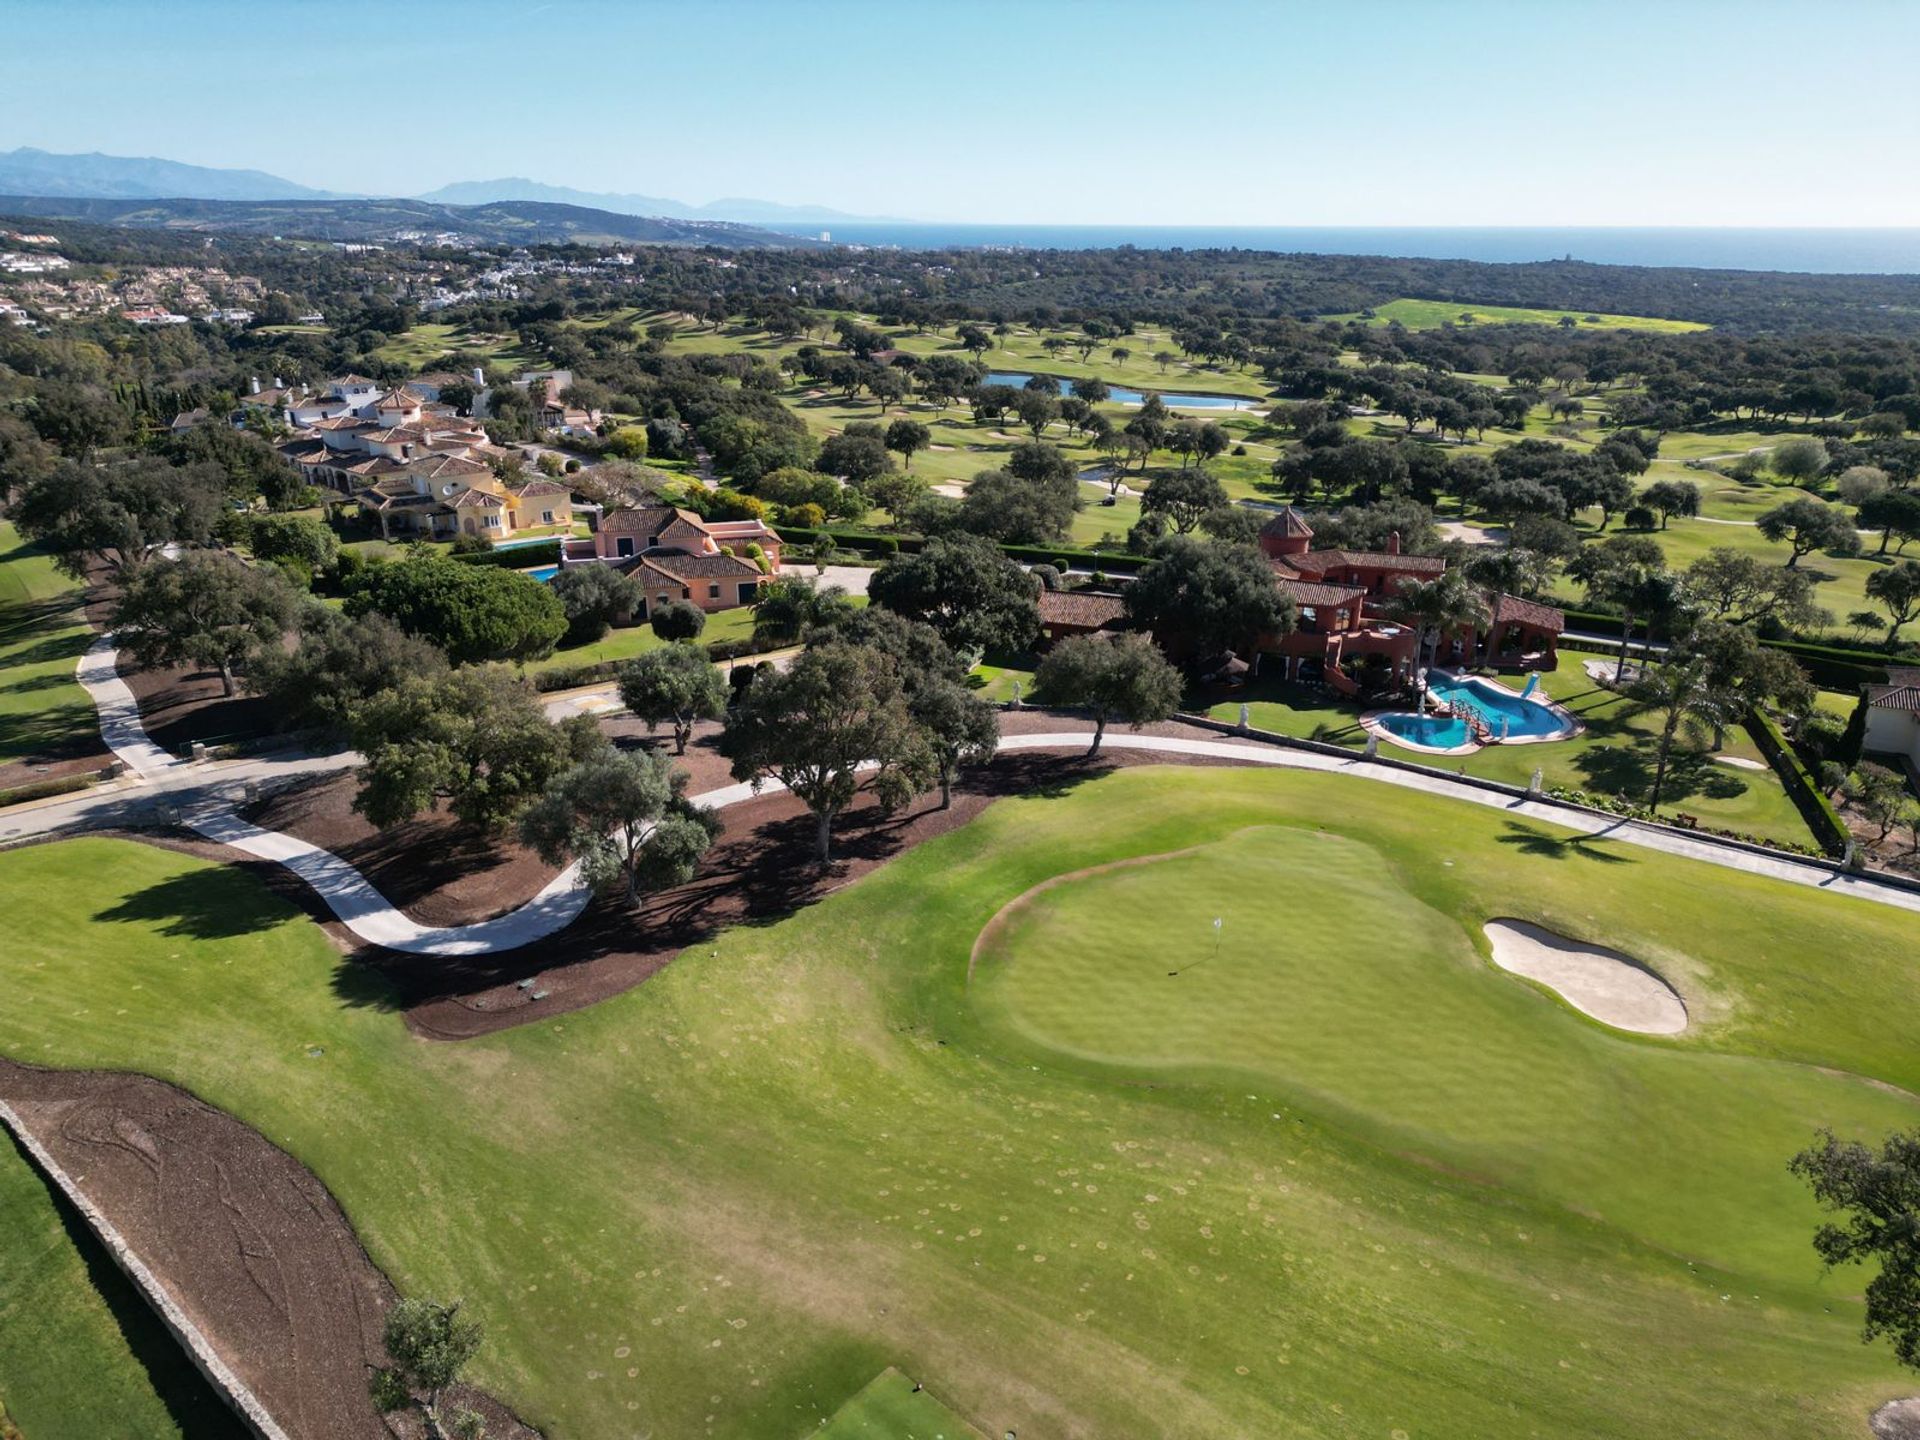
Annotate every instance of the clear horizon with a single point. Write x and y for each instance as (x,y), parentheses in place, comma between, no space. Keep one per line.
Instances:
(1485,114)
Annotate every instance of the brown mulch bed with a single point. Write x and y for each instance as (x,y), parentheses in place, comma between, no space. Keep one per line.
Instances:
(438,870)
(179,705)
(248,1242)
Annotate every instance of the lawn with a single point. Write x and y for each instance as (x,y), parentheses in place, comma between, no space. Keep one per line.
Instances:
(81,1355)
(1432,314)
(429,340)
(1614,756)
(632,640)
(43,710)
(1355,1181)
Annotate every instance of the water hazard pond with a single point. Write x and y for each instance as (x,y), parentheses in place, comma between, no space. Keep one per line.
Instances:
(1121,395)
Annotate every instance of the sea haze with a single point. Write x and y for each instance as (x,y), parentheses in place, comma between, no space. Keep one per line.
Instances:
(1838,252)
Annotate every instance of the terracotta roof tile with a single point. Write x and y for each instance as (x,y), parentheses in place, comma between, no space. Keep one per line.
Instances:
(1076,608)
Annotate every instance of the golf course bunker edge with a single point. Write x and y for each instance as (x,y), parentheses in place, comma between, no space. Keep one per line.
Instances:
(1612,988)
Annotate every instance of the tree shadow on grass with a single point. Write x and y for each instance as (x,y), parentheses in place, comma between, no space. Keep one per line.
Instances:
(201,905)
(1532,841)
(1627,769)
(188,1399)
(358,986)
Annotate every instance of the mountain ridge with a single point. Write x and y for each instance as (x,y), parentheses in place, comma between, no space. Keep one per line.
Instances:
(372,221)
(28,171)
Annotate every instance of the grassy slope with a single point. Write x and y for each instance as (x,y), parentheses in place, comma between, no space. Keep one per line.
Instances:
(81,1355)
(41,638)
(801,1154)
(1614,755)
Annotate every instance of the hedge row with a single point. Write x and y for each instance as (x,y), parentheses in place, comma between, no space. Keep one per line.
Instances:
(865,542)
(1825,822)
(516,557)
(46,789)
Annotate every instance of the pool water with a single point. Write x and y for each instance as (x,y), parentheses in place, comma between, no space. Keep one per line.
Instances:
(1121,395)
(1524,717)
(1436,732)
(1513,715)
(542,573)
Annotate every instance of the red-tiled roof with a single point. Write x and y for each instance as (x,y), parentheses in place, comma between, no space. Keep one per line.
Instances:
(1318,562)
(1901,692)
(1309,592)
(477,499)
(1083,611)
(541,487)
(683,566)
(1289,522)
(646,520)
(1511,608)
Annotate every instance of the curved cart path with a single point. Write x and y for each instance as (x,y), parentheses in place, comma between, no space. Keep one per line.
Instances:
(375,919)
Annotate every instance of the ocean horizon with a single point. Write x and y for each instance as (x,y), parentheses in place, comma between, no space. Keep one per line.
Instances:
(1862,251)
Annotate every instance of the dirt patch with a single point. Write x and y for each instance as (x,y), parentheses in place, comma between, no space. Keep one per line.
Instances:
(1614,989)
(1897,1420)
(248,1242)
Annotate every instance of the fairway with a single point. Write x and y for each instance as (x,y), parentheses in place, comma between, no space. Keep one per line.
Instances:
(44,713)
(1431,314)
(1354,1180)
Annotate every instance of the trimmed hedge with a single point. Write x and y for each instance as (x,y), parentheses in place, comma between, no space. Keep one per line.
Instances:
(1802,789)
(517,557)
(47,789)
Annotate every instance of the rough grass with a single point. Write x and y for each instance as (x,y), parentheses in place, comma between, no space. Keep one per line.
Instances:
(722,1202)
(42,636)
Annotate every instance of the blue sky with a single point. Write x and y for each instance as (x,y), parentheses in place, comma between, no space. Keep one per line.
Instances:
(1473,112)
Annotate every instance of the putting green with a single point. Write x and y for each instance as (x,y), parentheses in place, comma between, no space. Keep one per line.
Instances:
(1330,981)
(1358,1181)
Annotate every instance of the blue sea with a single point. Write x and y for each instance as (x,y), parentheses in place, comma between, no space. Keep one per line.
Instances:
(1838,252)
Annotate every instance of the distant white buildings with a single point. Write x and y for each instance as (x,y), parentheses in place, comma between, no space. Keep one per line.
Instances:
(16,262)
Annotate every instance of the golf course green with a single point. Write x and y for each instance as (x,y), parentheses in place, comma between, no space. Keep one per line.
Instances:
(1338,1176)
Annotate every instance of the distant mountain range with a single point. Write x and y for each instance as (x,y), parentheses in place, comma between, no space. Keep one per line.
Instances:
(121,177)
(118,177)
(751,212)
(522,222)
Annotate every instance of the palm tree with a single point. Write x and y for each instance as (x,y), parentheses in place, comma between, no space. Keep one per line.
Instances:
(1447,603)
(1687,691)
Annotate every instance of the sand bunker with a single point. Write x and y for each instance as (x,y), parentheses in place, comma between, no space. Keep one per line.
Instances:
(1602,983)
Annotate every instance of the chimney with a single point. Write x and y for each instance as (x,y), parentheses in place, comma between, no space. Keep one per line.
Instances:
(406,450)
(278,383)
(1393,543)
(479,377)
(253,384)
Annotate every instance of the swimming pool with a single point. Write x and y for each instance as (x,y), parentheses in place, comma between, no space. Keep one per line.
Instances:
(542,573)
(1511,717)
(1121,395)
